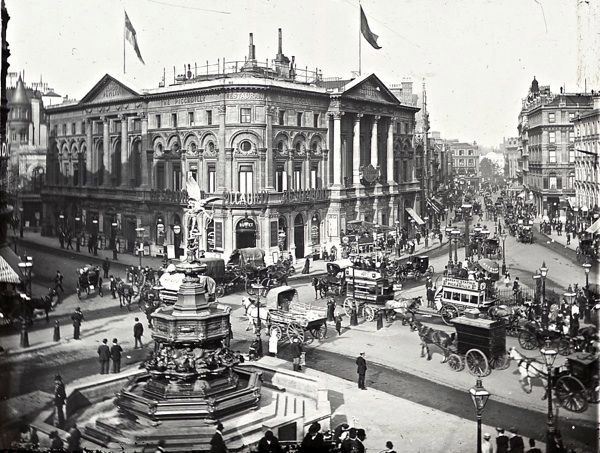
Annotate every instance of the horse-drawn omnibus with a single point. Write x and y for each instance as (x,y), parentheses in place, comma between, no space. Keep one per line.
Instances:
(457,295)
(367,290)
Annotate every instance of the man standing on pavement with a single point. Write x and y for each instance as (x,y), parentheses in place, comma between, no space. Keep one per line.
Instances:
(69,240)
(115,355)
(296,353)
(106,267)
(74,439)
(516,442)
(60,395)
(486,445)
(58,282)
(501,441)
(138,332)
(104,356)
(217,444)
(361,364)
(77,317)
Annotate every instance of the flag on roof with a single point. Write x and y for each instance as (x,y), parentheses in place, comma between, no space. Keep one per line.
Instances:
(366,31)
(130,36)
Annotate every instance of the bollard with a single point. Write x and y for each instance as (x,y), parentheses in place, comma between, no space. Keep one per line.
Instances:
(353,316)
(24,334)
(379,319)
(56,331)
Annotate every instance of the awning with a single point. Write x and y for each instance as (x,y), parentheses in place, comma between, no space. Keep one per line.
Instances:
(432,205)
(9,266)
(594,227)
(415,216)
(572,202)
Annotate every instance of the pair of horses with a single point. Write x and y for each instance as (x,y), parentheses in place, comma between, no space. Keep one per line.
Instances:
(19,305)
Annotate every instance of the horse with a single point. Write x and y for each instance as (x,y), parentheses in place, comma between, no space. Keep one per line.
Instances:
(430,336)
(405,309)
(529,368)
(45,303)
(252,312)
(321,286)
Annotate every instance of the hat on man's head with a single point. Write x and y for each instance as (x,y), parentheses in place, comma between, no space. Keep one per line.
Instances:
(500,430)
(487,436)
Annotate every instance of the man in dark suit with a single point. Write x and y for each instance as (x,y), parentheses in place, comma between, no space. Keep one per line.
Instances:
(516,443)
(138,331)
(77,317)
(60,396)
(115,355)
(501,441)
(361,364)
(217,444)
(104,356)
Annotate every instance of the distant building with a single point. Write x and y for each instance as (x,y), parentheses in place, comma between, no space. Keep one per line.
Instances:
(587,167)
(548,146)
(512,158)
(465,162)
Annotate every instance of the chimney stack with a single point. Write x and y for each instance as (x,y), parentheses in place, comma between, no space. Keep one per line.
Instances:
(280,45)
(251,51)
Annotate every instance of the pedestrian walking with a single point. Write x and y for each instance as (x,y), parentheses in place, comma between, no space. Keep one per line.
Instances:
(306,268)
(273,343)
(138,332)
(361,370)
(69,240)
(217,444)
(314,441)
(389,447)
(532,447)
(568,238)
(297,351)
(77,318)
(115,355)
(90,245)
(58,282)
(338,324)
(501,441)
(60,396)
(74,439)
(515,443)
(61,239)
(486,444)
(269,443)
(507,280)
(106,267)
(56,443)
(113,287)
(104,356)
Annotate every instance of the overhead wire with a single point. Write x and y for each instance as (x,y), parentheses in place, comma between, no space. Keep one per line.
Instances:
(189,7)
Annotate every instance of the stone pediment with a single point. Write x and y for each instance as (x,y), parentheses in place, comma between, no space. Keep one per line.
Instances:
(369,89)
(109,89)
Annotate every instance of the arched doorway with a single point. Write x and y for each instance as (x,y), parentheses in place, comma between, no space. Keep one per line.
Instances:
(282,234)
(299,236)
(245,234)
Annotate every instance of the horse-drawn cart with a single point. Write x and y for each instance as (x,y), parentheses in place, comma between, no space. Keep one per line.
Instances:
(89,279)
(577,383)
(286,315)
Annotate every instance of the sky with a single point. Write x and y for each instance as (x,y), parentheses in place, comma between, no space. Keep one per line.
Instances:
(477,57)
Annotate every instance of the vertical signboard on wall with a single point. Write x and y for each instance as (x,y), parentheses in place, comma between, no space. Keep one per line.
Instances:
(274,234)
(218,235)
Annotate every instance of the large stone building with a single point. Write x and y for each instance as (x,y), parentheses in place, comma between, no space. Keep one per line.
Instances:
(587,167)
(548,146)
(465,162)
(292,156)
(512,158)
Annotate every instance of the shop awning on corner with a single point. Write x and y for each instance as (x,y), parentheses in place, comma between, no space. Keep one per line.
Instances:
(8,266)
(433,206)
(594,227)
(572,202)
(415,216)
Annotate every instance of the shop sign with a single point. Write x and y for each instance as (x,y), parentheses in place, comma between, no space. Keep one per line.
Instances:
(241,198)
(218,235)
(303,195)
(314,233)
(470,285)
(246,225)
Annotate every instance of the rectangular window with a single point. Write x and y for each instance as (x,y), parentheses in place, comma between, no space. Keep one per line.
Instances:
(461,162)
(316,120)
(72,128)
(173,119)
(281,117)
(470,152)
(545,182)
(245,179)
(552,156)
(160,175)
(314,172)
(552,181)
(571,116)
(558,182)
(176,179)
(552,137)
(245,114)
(64,129)
(280,180)
(212,179)
(571,137)
(83,127)
(461,152)
(571,156)
(551,117)
(299,119)
(194,173)
(137,125)
(157,118)
(297,178)
(209,117)
(191,118)
(274,233)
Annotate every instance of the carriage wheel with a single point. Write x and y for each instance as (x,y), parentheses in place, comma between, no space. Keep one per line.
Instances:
(220,291)
(527,340)
(448,312)
(594,390)
(571,393)
(477,363)
(369,313)
(456,362)
(564,346)
(349,303)
(248,287)
(277,330)
(500,362)
(295,331)
(320,332)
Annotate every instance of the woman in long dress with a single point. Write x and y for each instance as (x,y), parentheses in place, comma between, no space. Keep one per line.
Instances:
(273,343)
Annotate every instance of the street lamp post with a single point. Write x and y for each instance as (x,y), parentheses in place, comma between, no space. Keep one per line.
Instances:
(586,311)
(480,396)
(449,236)
(426,219)
(77,233)
(587,267)
(549,356)
(456,237)
(546,310)
(95,236)
(140,234)
(503,235)
(446,216)
(259,349)
(25,268)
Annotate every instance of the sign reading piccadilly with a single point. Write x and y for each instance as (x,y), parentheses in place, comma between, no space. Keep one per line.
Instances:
(184,100)
(470,285)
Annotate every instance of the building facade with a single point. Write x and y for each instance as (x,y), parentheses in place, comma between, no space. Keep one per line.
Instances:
(465,162)
(512,158)
(291,157)
(587,168)
(548,146)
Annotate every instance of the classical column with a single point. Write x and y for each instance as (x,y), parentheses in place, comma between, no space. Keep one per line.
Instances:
(230,178)
(105,152)
(144,152)
(337,148)
(374,155)
(88,155)
(306,171)
(268,185)
(124,151)
(390,151)
(324,168)
(221,165)
(356,150)
(184,170)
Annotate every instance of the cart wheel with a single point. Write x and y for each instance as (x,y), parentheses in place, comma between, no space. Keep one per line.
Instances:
(349,303)
(456,362)
(295,330)
(277,330)
(594,390)
(220,291)
(571,394)
(369,313)
(527,340)
(564,346)
(500,362)
(477,363)
(448,312)
(319,333)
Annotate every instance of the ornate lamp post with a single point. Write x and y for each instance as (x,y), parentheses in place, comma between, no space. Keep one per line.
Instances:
(95,236)
(586,311)
(397,223)
(446,216)
(587,267)
(259,289)
(546,310)
(549,355)
(77,233)
(449,236)
(503,236)
(480,396)
(426,219)
(140,235)
(25,268)
(456,237)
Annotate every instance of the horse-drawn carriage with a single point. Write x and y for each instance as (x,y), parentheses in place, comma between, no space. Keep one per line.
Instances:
(89,279)
(456,295)
(333,282)
(525,234)
(368,291)
(415,268)
(533,336)
(587,251)
(491,248)
(285,315)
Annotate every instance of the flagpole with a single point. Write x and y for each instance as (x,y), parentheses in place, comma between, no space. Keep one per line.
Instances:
(359,40)
(124,49)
